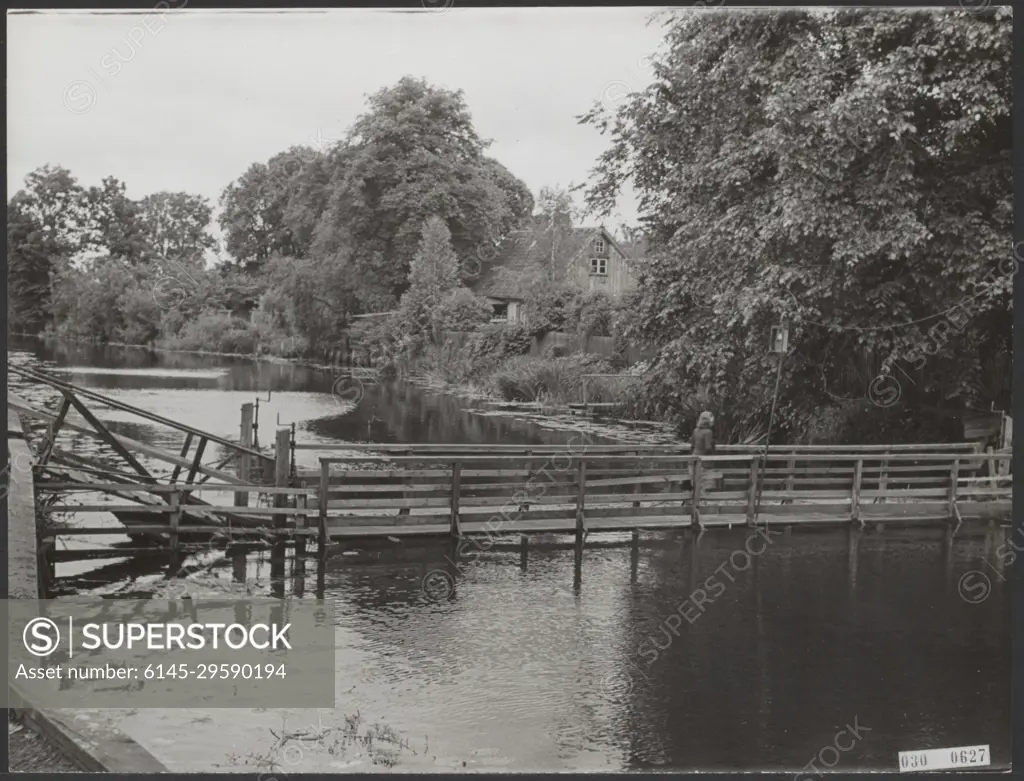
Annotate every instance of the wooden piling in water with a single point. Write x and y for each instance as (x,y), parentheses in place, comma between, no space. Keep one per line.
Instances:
(322,494)
(581,492)
(858,474)
(175,523)
(752,492)
(245,434)
(455,531)
(954,479)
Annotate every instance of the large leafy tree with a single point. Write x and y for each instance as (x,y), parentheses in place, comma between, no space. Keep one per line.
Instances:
(845,170)
(46,229)
(177,226)
(257,216)
(413,155)
(115,222)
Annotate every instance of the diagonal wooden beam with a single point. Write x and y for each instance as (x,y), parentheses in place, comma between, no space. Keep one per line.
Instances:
(110,439)
(51,440)
(194,469)
(23,407)
(184,452)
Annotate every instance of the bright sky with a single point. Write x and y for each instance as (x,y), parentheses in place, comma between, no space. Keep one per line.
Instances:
(195,97)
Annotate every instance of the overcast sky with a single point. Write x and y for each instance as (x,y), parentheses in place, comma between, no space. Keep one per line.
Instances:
(205,94)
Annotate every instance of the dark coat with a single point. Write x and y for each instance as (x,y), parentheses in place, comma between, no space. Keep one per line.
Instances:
(703,441)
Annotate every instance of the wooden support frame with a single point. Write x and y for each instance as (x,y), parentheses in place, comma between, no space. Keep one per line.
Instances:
(109,437)
(51,440)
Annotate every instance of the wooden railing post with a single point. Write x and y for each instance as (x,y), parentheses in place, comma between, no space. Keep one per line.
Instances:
(790,477)
(325,487)
(581,491)
(858,474)
(883,479)
(456,530)
(697,480)
(954,479)
(752,494)
(245,439)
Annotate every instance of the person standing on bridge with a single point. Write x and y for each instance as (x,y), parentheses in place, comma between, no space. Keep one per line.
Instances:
(703,440)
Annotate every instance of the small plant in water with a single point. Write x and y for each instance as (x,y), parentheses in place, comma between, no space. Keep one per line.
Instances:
(380,743)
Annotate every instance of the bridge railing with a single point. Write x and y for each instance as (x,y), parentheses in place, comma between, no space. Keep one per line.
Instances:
(564,491)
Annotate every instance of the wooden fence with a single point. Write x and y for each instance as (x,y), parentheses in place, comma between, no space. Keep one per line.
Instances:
(458,490)
(561,492)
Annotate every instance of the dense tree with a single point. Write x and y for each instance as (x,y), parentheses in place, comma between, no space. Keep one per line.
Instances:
(177,227)
(46,223)
(256,208)
(305,297)
(413,155)
(436,298)
(847,170)
(115,222)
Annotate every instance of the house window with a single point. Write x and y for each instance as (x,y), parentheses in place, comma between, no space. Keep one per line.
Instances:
(599,266)
(500,314)
(599,247)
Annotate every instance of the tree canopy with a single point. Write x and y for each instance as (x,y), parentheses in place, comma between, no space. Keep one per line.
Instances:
(847,171)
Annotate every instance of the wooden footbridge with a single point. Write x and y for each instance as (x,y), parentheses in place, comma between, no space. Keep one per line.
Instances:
(422,490)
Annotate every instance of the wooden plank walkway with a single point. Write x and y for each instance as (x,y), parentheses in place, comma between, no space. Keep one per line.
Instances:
(23,576)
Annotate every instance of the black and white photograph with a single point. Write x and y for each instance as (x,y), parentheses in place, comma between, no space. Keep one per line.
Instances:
(535,389)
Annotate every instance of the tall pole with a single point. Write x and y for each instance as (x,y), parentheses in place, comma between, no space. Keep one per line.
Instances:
(768,436)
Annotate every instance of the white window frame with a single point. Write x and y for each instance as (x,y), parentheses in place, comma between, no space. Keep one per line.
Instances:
(599,267)
(599,246)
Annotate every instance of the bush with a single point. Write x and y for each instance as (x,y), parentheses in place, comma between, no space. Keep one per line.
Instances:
(216,332)
(464,311)
(559,380)
(486,349)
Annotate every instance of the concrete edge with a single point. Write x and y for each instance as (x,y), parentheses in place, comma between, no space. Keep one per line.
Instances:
(112,751)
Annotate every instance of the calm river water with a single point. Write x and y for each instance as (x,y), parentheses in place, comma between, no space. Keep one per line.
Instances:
(533,665)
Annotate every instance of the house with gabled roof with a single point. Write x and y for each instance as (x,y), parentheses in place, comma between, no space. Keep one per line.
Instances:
(588,258)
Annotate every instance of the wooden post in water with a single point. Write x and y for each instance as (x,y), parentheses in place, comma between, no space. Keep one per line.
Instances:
(302,522)
(456,531)
(858,474)
(325,485)
(245,439)
(697,480)
(175,516)
(581,491)
(281,451)
(637,486)
(883,479)
(752,492)
(954,479)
